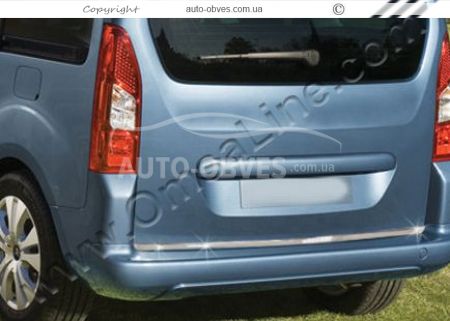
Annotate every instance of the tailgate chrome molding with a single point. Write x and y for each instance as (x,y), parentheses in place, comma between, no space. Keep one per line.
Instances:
(306,166)
(223,245)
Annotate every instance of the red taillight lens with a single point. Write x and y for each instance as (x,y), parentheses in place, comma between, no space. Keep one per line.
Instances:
(117,108)
(442,125)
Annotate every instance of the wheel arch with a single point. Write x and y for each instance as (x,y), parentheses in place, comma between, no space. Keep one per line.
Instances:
(14,158)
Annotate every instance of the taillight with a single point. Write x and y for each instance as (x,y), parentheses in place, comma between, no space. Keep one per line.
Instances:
(117,107)
(442,125)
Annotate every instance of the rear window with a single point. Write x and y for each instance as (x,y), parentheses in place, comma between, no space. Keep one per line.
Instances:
(56,39)
(289,50)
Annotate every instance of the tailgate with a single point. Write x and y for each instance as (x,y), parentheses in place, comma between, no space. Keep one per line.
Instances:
(284,129)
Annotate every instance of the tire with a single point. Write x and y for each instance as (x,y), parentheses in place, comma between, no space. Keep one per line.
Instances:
(358,299)
(30,256)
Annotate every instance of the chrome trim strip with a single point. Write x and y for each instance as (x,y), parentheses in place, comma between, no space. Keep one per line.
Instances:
(219,168)
(413,231)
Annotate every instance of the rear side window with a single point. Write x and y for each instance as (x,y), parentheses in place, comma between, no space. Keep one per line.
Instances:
(64,40)
(289,50)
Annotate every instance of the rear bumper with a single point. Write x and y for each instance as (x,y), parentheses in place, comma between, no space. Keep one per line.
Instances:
(97,242)
(127,275)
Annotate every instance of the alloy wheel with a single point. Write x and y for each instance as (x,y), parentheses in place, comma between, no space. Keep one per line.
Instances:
(20,259)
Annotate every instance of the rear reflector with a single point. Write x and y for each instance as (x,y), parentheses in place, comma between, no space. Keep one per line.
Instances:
(442,125)
(115,134)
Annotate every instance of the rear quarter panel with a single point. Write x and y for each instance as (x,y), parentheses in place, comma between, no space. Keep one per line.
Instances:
(51,134)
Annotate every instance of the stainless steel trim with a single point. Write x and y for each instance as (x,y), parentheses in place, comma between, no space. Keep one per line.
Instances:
(344,164)
(413,231)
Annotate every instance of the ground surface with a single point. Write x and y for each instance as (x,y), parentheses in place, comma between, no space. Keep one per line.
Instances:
(424,299)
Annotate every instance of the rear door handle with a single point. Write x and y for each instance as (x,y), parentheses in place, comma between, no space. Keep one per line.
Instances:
(276,167)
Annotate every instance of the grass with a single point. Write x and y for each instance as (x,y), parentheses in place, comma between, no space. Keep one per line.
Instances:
(424,298)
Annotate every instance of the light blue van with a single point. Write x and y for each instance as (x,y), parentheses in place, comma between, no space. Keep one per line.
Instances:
(146,159)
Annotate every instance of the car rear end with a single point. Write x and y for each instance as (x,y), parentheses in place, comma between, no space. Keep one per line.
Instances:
(234,154)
